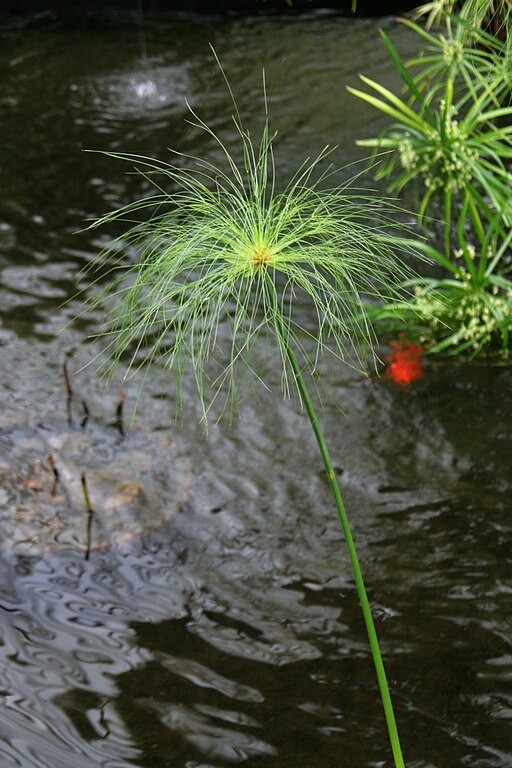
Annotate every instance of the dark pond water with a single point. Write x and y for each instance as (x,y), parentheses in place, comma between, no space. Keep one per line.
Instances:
(229,634)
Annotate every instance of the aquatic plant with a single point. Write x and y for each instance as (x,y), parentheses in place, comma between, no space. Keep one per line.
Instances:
(449,140)
(448,148)
(223,247)
(470,57)
(478,13)
(467,311)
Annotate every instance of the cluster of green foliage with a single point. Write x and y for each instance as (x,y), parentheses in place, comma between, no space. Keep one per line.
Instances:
(478,13)
(451,140)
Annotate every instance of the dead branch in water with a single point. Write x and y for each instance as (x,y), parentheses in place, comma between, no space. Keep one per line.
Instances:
(86,415)
(69,390)
(90,514)
(56,476)
(119,412)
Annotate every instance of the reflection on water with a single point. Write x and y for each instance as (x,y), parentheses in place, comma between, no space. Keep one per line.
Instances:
(151,91)
(230,632)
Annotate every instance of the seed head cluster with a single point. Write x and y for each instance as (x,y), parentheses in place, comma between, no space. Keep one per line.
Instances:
(464,314)
(442,161)
(453,51)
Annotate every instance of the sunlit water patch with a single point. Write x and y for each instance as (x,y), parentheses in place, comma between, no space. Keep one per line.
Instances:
(153,91)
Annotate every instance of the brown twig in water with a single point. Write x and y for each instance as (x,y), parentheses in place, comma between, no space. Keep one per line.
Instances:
(67,380)
(69,390)
(90,514)
(56,476)
(53,465)
(86,413)
(119,412)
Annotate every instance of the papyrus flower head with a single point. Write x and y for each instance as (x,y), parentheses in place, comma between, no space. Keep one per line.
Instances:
(227,246)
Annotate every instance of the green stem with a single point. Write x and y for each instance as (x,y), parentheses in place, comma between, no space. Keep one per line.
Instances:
(475,219)
(361,590)
(447,219)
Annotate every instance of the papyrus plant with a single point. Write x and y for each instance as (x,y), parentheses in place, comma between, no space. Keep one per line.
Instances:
(222,247)
(466,55)
(453,149)
(478,13)
(467,309)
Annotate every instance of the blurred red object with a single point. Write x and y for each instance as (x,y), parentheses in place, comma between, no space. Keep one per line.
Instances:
(404,362)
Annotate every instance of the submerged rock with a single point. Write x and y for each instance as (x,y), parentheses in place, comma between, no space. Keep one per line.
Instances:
(135,483)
